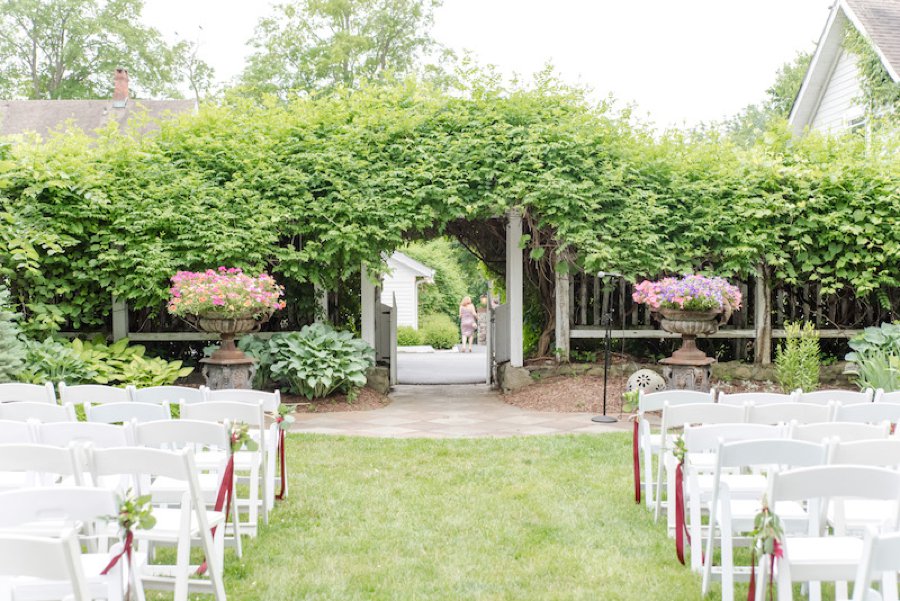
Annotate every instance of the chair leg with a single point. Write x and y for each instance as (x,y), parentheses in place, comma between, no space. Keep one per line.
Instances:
(785,583)
(182,567)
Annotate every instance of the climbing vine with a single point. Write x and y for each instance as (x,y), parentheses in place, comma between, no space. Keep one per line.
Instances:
(880,93)
(309,190)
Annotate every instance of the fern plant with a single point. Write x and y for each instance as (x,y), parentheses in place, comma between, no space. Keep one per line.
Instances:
(797,359)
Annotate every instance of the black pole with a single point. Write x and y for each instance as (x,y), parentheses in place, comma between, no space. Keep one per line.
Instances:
(607,339)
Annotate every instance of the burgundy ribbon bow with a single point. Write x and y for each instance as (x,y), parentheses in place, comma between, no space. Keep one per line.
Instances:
(223,499)
(680,528)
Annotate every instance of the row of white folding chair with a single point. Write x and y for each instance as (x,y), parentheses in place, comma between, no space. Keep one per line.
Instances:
(822,397)
(880,561)
(59,513)
(732,508)
(108,413)
(135,467)
(680,415)
(814,556)
(99,394)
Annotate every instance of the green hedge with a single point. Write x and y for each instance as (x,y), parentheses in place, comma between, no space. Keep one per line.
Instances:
(439,331)
(312,188)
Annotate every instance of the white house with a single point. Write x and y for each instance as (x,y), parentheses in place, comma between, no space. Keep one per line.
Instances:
(402,281)
(828,97)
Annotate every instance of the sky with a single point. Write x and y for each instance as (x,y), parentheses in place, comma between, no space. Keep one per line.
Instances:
(681,62)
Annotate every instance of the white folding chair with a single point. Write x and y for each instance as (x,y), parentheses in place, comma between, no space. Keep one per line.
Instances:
(646,442)
(859,515)
(818,557)
(34,393)
(869,413)
(48,558)
(843,431)
(755,398)
(29,465)
(824,397)
(881,560)
(732,511)
(115,413)
(250,464)
(701,444)
(679,416)
(271,403)
(46,511)
(785,413)
(96,394)
(173,395)
(41,412)
(205,439)
(178,525)
(887,397)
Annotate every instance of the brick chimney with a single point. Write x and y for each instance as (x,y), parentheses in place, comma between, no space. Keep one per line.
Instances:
(120,92)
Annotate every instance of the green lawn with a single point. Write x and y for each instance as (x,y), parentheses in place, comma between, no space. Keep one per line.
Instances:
(519,519)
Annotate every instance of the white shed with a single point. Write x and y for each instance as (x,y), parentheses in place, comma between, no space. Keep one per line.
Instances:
(402,281)
(829,97)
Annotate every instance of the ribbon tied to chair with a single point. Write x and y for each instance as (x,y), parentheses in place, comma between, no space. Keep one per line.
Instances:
(281,460)
(636,461)
(223,500)
(681,531)
(126,551)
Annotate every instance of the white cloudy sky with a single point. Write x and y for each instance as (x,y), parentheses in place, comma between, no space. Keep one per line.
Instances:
(680,61)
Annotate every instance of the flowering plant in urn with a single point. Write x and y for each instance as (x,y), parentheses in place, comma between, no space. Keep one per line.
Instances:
(226,301)
(690,306)
(226,292)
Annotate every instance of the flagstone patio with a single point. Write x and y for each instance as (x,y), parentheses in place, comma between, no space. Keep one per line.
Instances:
(456,411)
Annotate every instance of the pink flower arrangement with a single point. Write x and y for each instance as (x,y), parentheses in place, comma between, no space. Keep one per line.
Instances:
(691,293)
(226,292)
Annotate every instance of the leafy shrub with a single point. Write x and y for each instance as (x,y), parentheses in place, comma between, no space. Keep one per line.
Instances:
(54,361)
(797,359)
(439,331)
(876,357)
(12,349)
(408,336)
(95,362)
(319,360)
(258,348)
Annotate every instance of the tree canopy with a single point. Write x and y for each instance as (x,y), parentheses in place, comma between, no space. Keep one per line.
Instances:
(316,45)
(69,49)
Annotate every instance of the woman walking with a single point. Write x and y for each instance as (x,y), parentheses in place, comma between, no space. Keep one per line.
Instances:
(468,323)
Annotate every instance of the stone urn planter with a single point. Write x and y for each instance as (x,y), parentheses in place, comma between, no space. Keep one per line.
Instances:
(689,324)
(228,366)
(689,368)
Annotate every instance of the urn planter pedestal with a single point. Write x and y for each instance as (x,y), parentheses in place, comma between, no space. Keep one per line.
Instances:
(229,366)
(689,368)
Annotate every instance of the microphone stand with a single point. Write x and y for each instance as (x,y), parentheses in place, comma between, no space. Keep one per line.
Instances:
(606,321)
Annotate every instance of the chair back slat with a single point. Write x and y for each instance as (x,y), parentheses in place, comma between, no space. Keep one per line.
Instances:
(95,394)
(271,400)
(170,394)
(783,413)
(823,397)
(112,413)
(869,413)
(42,412)
(706,438)
(97,434)
(843,431)
(655,401)
(879,452)
(34,393)
(756,398)
(57,558)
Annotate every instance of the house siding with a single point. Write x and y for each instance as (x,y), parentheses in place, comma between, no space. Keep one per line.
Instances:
(402,283)
(838,105)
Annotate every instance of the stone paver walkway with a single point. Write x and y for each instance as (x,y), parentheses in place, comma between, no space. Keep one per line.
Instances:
(449,412)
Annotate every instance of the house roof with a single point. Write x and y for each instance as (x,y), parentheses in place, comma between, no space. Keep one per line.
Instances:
(420,269)
(878,20)
(43,116)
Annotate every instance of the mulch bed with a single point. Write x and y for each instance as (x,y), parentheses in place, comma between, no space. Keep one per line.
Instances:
(367,400)
(579,394)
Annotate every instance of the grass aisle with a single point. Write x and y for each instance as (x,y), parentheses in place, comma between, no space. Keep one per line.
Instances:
(522,518)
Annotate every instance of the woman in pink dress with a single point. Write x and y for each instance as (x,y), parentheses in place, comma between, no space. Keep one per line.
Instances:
(468,323)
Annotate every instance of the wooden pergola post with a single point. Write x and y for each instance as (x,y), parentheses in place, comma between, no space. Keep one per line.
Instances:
(562,312)
(514,286)
(762,319)
(367,305)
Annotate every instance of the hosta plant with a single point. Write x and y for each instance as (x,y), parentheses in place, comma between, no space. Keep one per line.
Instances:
(52,360)
(319,360)
(875,357)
